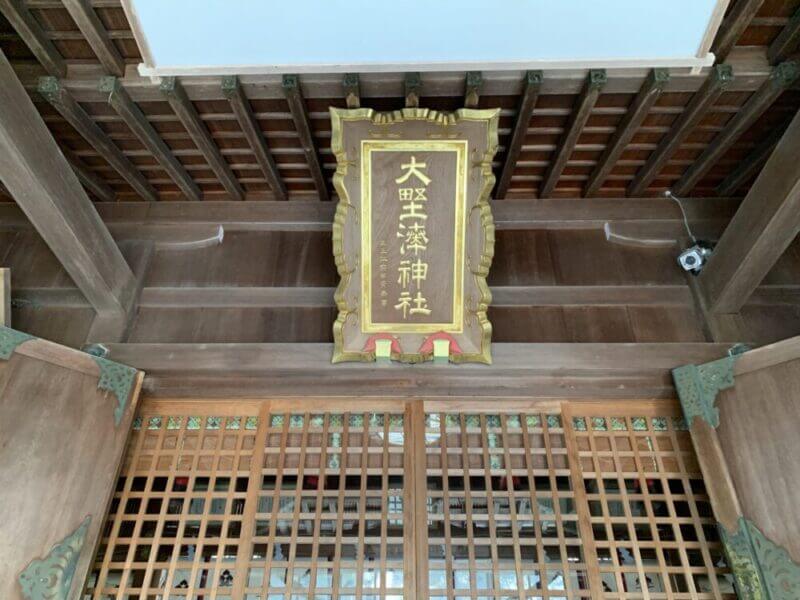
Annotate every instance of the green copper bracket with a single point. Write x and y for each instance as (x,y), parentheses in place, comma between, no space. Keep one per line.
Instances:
(118,379)
(50,578)
(597,78)
(722,74)
(290,82)
(168,86)
(698,386)
(10,339)
(761,569)
(230,83)
(49,87)
(785,74)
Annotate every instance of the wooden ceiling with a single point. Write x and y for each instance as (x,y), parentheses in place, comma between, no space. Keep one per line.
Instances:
(736,123)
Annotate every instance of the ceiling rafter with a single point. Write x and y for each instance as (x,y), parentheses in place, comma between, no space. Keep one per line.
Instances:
(297,106)
(782,77)
(633,119)
(51,90)
(34,36)
(719,79)
(254,136)
(135,119)
(595,81)
(732,27)
(527,104)
(96,35)
(90,180)
(176,96)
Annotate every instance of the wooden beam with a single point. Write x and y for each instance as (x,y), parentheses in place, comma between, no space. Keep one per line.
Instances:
(530,94)
(51,89)
(255,137)
(782,78)
(765,224)
(472,89)
(352,90)
(519,370)
(717,81)
(172,89)
(297,106)
(90,180)
(581,112)
(750,64)
(752,163)
(412,85)
(96,35)
(786,42)
(135,119)
(48,191)
(627,128)
(733,26)
(28,28)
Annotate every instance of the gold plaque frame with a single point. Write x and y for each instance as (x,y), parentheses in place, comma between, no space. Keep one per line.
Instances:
(473,135)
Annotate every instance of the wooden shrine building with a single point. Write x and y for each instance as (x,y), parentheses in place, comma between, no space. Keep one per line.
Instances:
(398,334)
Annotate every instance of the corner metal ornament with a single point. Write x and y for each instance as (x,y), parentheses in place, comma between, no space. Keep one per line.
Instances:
(50,578)
(10,339)
(698,386)
(762,569)
(413,235)
(119,380)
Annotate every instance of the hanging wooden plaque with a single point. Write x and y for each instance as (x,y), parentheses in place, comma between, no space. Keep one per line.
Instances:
(413,235)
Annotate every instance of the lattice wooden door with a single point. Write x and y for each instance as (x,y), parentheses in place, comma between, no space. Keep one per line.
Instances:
(279,500)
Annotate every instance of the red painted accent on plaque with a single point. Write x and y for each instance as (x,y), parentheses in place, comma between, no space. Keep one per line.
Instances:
(427,345)
(370,345)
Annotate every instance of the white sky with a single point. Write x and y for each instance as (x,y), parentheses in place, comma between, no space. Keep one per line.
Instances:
(220,33)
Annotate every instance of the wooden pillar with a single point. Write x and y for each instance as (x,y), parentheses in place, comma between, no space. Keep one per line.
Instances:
(765,224)
(45,187)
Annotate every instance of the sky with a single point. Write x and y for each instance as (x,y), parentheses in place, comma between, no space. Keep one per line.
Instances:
(330,32)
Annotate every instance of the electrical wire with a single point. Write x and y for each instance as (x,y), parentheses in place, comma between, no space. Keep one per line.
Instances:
(671,196)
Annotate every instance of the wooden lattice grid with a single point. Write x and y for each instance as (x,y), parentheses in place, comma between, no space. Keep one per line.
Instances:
(651,518)
(281,501)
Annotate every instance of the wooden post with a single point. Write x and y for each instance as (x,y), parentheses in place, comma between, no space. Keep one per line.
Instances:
(48,191)
(765,224)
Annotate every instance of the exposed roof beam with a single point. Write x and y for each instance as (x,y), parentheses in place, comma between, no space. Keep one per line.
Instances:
(634,117)
(255,137)
(749,63)
(44,186)
(767,221)
(412,88)
(782,77)
(134,118)
(752,163)
(530,94)
(297,106)
(352,90)
(187,114)
(51,89)
(581,112)
(96,35)
(90,180)
(34,36)
(733,26)
(719,79)
(472,89)
(786,42)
